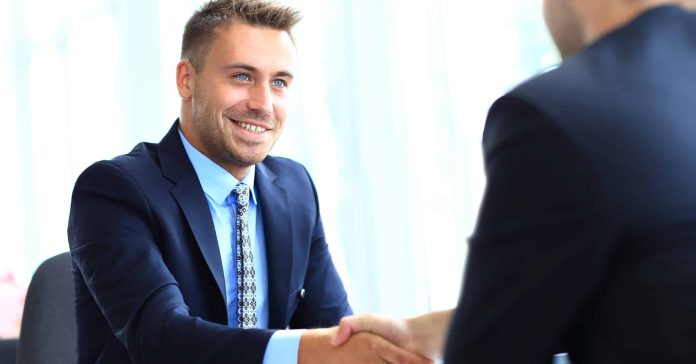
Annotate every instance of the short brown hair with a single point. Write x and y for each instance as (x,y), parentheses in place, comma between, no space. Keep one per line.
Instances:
(201,29)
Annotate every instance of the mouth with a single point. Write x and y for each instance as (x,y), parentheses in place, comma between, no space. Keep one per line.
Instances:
(256,129)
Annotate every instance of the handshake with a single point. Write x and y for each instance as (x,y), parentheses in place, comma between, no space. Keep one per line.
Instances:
(377,339)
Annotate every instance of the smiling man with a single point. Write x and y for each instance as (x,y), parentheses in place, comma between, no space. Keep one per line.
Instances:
(202,248)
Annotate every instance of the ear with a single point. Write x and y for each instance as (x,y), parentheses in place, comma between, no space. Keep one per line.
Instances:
(185,77)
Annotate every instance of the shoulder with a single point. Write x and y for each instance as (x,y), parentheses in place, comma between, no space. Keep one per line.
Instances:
(568,83)
(139,164)
(567,97)
(551,109)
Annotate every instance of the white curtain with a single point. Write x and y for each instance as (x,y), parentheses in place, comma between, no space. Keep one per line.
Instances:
(387,116)
(391,107)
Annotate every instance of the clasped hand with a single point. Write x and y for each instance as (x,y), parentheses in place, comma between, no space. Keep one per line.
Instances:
(423,335)
(317,346)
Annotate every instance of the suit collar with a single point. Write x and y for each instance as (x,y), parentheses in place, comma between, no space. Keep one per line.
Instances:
(188,193)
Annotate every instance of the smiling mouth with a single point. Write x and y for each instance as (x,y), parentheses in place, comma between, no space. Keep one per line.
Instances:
(250,128)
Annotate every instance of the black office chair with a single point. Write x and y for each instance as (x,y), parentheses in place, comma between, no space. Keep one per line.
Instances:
(8,351)
(49,333)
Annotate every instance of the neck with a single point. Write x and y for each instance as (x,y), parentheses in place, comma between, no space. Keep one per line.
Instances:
(603,16)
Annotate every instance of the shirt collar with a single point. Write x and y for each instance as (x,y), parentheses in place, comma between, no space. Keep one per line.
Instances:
(217,183)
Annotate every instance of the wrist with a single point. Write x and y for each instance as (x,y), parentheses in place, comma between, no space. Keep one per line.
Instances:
(313,343)
(427,333)
(418,336)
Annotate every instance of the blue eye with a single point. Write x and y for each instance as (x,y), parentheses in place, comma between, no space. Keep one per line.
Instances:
(242,77)
(279,83)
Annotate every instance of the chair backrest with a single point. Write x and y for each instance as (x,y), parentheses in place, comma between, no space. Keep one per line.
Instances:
(8,351)
(49,332)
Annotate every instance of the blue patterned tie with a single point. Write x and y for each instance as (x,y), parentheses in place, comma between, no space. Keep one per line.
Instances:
(246,275)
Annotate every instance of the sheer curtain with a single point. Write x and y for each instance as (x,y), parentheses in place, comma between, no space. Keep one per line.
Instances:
(388,119)
(387,116)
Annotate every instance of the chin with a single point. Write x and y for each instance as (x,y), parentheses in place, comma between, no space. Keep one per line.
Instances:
(247,160)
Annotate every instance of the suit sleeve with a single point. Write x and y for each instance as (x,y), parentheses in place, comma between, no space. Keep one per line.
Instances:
(541,243)
(326,301)
(113,245)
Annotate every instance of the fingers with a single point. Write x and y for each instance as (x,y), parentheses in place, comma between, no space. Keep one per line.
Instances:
(354,324)
(345,330)
(393,354)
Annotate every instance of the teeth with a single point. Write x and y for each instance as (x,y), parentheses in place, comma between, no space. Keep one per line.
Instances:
(252,128)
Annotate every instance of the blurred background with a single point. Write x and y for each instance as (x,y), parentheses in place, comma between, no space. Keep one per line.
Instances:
(387,116)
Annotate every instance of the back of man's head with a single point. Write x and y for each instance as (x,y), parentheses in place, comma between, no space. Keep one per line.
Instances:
(201,29)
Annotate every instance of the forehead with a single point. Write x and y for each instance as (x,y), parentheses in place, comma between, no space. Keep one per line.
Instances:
(261,47)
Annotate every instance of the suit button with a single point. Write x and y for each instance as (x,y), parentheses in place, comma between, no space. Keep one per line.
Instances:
(302,293)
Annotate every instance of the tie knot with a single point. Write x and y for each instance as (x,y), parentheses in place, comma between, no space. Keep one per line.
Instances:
(241,194)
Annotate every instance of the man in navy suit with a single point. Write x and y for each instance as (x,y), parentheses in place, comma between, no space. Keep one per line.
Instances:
(202,248)
(586,238)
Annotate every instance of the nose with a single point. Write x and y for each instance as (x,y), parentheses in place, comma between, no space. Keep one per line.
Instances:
(260,99)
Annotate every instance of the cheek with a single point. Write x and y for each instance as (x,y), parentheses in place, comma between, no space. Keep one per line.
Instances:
(563,25)
(224,96)
(233,96)
(546,11)
(280,108)
(551,16)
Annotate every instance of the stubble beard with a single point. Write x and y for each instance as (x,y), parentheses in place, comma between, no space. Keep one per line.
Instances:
(211,131)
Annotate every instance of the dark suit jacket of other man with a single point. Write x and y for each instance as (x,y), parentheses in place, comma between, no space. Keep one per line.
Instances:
(586,239)
(148,275)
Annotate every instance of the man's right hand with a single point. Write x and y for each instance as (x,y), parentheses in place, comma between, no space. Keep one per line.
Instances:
(396,330)
(316,347)
(424,335)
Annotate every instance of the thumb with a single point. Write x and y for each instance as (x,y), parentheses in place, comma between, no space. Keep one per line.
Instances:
(345,330)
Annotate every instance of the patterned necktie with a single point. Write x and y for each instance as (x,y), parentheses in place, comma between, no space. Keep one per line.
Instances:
(246,275)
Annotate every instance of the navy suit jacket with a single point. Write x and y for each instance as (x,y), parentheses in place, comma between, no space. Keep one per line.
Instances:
(148,275)
(586,238)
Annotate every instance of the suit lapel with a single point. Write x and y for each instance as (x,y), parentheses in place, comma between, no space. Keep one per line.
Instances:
(277,224)
(188,193)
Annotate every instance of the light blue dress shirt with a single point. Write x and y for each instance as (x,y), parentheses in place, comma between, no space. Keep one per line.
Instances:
(218,184)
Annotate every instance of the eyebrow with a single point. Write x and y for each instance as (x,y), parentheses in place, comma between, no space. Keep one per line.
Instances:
(254,69)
